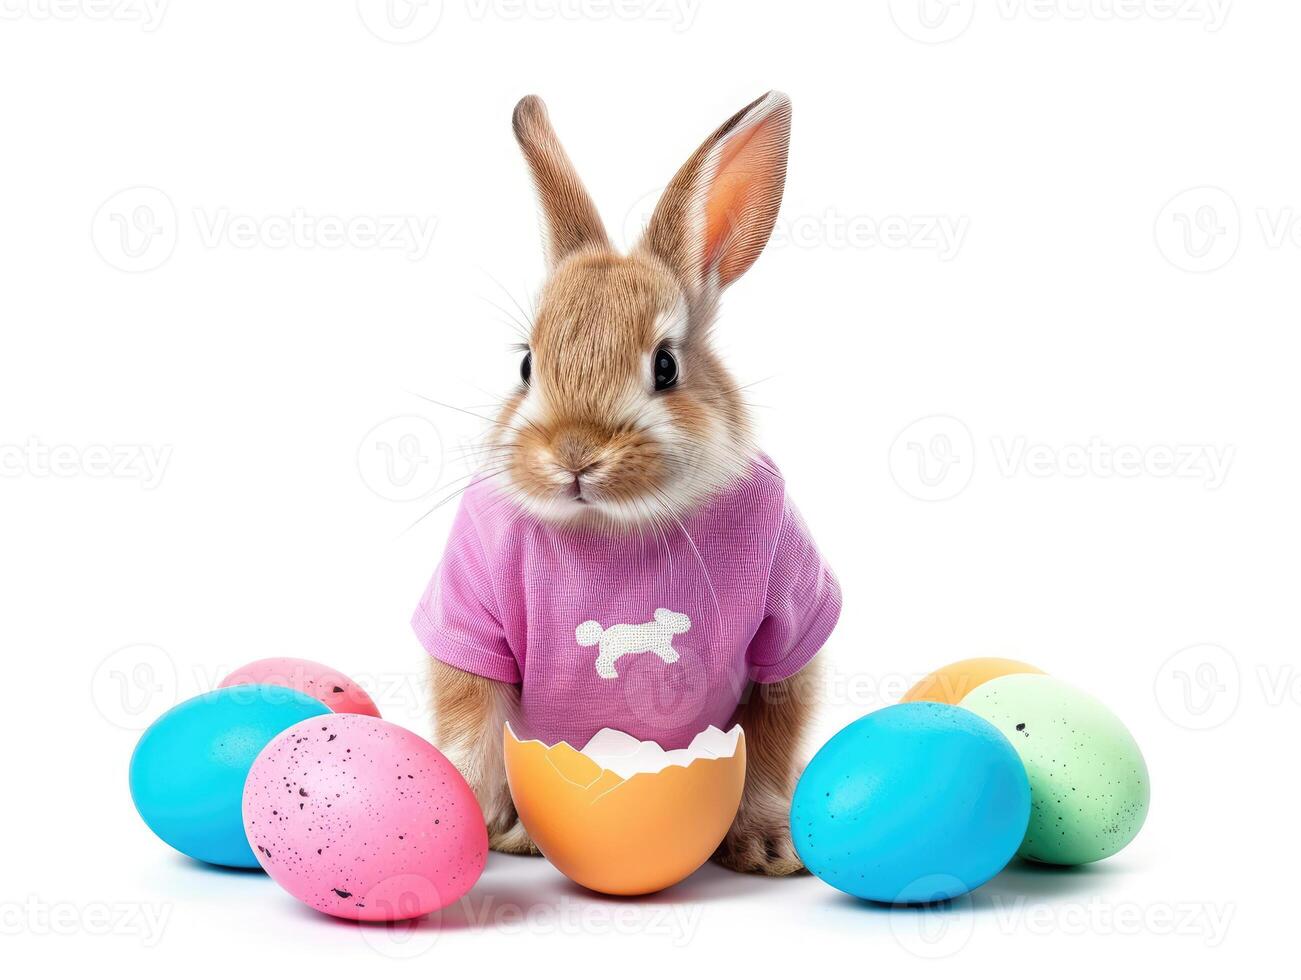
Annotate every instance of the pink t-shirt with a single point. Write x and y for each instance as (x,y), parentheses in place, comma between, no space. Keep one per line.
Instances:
(653,632)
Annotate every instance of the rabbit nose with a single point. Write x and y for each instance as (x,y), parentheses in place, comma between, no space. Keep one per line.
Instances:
(572,455)
(575,452)
(576,486)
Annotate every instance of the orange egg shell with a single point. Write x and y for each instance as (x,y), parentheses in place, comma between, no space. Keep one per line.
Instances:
(622,836)
(951,684)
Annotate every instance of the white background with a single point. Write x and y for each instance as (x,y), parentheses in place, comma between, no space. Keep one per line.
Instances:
(193,477)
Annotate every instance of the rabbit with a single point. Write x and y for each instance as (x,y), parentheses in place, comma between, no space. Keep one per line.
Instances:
(626,425)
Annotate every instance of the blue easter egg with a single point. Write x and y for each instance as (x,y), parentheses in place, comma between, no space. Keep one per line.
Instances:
(917,802)
(188,769)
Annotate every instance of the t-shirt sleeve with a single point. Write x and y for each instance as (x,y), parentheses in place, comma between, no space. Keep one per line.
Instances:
(803,604)
(458,620)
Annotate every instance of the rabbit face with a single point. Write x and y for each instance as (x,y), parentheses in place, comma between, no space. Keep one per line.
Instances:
(625,415)
(592,433)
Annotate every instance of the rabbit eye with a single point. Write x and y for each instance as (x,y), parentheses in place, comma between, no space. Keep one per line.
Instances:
(526,367)
(665,367)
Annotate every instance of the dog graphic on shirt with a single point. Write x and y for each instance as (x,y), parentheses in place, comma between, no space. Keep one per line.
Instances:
(654,637)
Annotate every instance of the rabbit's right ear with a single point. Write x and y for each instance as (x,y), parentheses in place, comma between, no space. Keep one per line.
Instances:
(570,220)
(718,212)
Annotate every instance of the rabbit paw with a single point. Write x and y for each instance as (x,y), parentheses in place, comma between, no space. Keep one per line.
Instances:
(759,848)
(514,840)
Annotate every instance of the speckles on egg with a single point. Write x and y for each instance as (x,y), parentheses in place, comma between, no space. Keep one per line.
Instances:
(335,690)
(1089,783)
(382,825)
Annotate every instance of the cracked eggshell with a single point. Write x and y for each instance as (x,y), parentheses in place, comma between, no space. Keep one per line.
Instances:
(363,819)
(1088,782)
(337,691)
(626,817)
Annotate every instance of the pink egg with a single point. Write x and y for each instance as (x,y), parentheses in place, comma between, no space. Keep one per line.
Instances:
(336,691)
(363,819)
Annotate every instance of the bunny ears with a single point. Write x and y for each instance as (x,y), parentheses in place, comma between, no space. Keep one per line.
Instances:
(571,220)
(713,218)
(717,213)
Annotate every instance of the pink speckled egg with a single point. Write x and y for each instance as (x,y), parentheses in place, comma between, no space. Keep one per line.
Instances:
(363,819)
(336,691)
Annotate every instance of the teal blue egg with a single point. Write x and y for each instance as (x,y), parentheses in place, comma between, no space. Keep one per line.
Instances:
(917,802)
(188,769)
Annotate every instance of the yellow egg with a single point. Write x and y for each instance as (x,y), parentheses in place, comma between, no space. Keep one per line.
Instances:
(951,684)
(626,817)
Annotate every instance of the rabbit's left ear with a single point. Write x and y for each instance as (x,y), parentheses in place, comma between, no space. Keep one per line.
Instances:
(569,217)
(718,212)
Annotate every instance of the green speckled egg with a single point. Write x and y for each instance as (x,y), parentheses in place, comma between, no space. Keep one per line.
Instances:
(1088,782)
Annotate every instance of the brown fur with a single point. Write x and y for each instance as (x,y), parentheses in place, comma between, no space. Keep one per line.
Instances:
(469,714)
(587,441)
(572,219)
(740,204)
(594,331)
(774,718)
